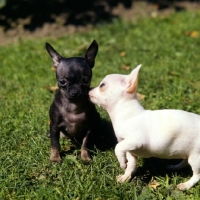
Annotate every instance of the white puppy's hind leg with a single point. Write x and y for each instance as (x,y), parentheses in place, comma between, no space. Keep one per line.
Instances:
(187,185)
(194,162)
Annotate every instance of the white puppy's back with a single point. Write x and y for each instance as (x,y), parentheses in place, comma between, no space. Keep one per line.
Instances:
(163,133)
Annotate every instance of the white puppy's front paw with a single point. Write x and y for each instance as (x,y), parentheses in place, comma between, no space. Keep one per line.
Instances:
(183,186)
(123,178)
(123,165)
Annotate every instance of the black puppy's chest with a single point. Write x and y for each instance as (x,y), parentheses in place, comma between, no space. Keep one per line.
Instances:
(74,123)
(74,120)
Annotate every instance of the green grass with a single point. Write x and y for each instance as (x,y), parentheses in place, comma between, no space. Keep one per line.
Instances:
(169,78)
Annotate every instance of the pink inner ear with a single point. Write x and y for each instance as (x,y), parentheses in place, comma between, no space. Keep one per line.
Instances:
(133,80)
(132,87)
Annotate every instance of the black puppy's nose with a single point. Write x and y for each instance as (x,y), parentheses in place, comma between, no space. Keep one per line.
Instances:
(74,93)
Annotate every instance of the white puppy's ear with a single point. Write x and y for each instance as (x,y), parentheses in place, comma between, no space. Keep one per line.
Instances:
(132,80)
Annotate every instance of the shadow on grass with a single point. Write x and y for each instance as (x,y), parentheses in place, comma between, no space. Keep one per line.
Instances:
(153,167)
(106,138)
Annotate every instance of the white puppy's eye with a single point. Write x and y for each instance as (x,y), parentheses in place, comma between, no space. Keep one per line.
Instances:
(102,84)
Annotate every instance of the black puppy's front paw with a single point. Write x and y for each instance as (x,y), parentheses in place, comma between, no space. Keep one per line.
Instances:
(85,155)
(55,156)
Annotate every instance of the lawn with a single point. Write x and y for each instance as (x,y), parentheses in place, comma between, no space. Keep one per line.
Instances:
(169,50)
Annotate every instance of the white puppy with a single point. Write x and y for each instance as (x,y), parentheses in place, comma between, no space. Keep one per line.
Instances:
(169,134)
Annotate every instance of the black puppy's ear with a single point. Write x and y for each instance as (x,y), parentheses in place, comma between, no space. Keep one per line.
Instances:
(54,55)
(91,53)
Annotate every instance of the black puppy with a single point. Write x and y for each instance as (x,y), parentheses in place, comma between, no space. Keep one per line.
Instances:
(71,112)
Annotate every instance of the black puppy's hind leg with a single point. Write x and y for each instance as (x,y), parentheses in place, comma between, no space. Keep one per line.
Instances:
(85,155)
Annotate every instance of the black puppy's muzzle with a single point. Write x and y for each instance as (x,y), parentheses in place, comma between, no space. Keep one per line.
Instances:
(75,93)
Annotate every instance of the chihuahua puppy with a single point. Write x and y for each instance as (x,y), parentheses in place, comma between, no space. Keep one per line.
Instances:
(168,134)
(71,113)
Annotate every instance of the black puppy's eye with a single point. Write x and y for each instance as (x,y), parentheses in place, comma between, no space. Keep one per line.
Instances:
(62,82)
(103,84)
